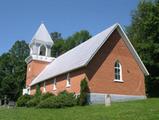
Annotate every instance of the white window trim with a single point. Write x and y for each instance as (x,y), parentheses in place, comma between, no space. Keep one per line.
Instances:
(116,80)
(121,78)
(68,84)
(44,87)
(54,84)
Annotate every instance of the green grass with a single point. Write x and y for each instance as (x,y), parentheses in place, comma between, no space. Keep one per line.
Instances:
(134,110)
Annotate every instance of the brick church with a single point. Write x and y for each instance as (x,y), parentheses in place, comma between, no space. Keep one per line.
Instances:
(108,61)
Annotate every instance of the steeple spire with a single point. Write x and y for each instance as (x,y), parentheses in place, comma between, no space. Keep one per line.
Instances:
(42,36)
(40,46)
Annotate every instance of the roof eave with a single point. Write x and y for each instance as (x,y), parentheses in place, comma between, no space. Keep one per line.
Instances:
(133,51)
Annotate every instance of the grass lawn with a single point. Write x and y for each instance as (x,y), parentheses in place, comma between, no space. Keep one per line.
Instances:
(134,110)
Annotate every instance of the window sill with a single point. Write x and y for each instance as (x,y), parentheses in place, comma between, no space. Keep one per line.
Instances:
(115,80)
(68,86)
(54,89)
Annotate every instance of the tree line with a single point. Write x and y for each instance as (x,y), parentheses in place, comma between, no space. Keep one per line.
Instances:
(143,33)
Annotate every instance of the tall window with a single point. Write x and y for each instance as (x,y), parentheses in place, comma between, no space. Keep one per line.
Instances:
(68,83)
(44,89)
(54,84)
(118,71)
(42,50)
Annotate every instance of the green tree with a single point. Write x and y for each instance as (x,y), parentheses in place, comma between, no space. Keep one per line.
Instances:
(144,34)
(38,91)
(63,45)
(13,70)
(76,39)
(5,71)
(56,36)
(58,48)
(82,100)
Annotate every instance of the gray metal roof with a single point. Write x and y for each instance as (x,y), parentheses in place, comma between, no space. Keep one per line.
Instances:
(81,55)
(42,35)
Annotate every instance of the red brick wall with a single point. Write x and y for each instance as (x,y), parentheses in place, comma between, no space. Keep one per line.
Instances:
(75,78)
(100,70)
(35,68)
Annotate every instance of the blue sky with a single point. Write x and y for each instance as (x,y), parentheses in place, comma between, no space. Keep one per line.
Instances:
(19,19)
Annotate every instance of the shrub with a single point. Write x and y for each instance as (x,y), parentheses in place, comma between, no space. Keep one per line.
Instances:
(50,102)
(22,100)
(63,93)
(69,99)
(45,96)
(33,102)
(37,98)
(38,91)
(82,99)
(64,99)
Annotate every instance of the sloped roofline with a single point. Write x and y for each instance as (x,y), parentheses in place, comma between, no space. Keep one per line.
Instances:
(129,45)
(132,50)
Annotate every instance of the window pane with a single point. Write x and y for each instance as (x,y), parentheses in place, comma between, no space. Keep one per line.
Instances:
(116,76)
(116,64)
(116,70)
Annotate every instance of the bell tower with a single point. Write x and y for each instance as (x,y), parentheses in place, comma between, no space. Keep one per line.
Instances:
(40,55)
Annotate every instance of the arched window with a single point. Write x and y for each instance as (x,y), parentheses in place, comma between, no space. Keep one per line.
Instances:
(42,50)
(118,71)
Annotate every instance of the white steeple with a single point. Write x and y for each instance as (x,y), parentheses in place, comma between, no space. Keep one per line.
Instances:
(40,46)
(42,35)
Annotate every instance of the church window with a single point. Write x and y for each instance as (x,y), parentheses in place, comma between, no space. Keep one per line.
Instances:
(42,50)
(44,87)
(68,83)
(118,71)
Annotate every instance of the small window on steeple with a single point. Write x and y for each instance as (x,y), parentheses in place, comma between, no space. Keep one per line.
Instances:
(42,50)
